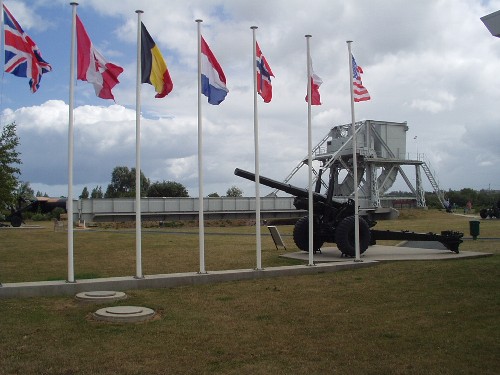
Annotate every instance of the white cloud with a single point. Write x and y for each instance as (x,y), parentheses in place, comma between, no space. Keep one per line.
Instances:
(28,17)
(432,64)
(442,101)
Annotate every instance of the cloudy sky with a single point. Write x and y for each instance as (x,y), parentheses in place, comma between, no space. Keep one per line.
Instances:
(431,63)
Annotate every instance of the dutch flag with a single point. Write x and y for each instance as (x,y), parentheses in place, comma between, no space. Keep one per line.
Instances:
(213,80)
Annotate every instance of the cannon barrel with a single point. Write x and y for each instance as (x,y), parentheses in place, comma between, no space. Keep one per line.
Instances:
(287,188)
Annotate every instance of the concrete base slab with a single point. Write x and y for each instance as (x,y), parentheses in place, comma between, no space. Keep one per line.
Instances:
(21,227)
(329,260)
(60,287)
(124,314)
(386,253)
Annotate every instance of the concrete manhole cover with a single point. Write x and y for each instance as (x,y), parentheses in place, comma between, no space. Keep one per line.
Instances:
(124,314)
(100,296)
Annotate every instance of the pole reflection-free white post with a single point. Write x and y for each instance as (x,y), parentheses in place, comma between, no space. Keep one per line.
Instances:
(256,146)
(309,159)
(354,160)
(201,220)
(69,202)
(138,221)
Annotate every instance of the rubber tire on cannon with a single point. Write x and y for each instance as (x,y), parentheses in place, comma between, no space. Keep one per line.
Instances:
(301,235)
(16,221)
(344,236)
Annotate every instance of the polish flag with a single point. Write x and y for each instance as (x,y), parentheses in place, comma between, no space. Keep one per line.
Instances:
(316,82)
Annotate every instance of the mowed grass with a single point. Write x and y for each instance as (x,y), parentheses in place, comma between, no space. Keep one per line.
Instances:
(41,254)
(425,317)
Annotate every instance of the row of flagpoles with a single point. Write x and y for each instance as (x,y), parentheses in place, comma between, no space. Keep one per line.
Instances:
(23,59)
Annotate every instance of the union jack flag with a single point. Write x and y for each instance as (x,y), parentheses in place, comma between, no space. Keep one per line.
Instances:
(22,56)
(360,92)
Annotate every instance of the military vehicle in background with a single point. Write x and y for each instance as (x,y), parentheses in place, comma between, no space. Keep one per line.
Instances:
(492,212)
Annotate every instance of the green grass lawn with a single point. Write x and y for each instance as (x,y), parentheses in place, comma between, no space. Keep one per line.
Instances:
(415,317)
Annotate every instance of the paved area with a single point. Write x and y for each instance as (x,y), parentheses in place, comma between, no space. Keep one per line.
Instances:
(391,253)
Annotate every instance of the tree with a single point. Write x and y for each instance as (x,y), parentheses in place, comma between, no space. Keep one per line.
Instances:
(233,191)
(96,193)
(85,193)
(24,192)
(213,195)
(123,183)
(9,159)
(167,189)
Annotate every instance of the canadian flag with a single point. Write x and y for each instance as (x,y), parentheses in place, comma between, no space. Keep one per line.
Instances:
(93,67)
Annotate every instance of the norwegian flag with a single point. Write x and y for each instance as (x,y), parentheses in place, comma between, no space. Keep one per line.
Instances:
(264,74)
(22,56)
(360,92)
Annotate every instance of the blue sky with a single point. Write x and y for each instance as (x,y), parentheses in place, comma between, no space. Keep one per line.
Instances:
(432,64)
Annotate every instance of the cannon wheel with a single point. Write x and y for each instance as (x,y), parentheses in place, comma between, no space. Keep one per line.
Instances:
(344,236)
(16,221)
(496,212)
(301,235)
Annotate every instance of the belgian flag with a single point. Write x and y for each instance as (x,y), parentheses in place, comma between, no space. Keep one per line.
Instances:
(153,67)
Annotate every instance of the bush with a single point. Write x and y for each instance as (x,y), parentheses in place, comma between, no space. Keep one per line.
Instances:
(282,221)
(56,213)
(170,224)
(39,217)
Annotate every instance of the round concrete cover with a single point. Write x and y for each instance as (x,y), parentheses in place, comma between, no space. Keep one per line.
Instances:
(124,314)
(101,296)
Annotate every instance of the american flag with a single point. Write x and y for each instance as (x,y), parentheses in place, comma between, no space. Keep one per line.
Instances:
(360,92)
(22,56)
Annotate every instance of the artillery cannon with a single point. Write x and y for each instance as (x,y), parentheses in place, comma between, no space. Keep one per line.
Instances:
(39,204)
(334,221)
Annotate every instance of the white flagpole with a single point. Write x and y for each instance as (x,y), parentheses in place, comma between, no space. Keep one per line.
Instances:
(69,202)
(256,146)
(138,221)
(354,160)
(201,219)
(309,153)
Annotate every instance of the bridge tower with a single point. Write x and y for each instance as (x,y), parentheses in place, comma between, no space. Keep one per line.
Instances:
(381,153)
